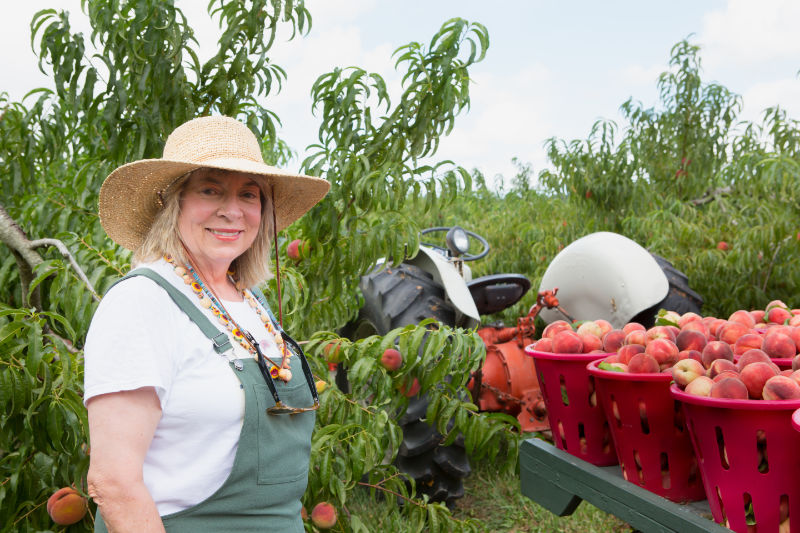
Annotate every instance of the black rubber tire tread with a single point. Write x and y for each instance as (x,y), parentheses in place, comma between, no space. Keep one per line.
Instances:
(395,297)
(680,297)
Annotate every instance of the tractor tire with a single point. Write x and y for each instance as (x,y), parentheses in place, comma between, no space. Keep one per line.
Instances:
(680,298)
(395,297)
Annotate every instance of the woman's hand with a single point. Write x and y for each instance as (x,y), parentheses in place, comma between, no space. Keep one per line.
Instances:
(121,426)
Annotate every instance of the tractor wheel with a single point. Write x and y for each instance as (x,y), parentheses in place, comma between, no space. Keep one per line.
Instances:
(395,297)
(680,298)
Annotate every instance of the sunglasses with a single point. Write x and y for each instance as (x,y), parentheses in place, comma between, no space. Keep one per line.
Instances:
(281,408)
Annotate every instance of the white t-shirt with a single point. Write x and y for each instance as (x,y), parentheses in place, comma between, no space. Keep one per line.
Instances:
(140,338)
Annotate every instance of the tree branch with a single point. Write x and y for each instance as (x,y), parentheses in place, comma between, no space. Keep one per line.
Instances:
(711,195)
(67,255)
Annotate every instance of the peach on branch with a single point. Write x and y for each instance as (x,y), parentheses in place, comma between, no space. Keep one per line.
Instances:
(781,388)
(66,506)
(298,249)
(391,359)
(411,390)
(323,515)
(755,375)
(729,387)
(567,342)
(333,351)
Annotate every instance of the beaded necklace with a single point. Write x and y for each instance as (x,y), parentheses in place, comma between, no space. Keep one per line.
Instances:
(210,302)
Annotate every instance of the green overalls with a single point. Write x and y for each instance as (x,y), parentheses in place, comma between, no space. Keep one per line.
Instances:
(270,470)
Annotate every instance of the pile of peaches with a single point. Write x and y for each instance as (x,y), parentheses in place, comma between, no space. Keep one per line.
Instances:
(751,355)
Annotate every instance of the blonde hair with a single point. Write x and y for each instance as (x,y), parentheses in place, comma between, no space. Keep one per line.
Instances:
(249,269)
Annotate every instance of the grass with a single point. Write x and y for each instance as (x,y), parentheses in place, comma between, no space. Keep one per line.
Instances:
(495,499)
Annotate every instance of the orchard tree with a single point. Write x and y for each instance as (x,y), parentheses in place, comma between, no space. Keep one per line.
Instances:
(119,105)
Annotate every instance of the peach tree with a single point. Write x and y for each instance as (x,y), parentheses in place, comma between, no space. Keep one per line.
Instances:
(117,105)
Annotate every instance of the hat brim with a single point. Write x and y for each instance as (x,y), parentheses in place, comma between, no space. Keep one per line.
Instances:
(129,200)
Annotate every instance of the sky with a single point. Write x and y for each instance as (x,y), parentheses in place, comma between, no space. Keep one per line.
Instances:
(553,68)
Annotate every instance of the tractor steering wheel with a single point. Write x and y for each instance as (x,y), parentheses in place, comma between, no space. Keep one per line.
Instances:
(446,251)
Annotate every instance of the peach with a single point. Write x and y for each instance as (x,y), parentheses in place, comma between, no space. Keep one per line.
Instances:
(748,341)
(719,366)
(697,325)
(591,343)
(412,390)
(66,506)
(775,303)
(755,375)
(619,367)
(545,344)
(691,340)
(700,386)
(758,315)
(567,342)
(688,317)
(637,336)
(743,317)
(391,360)
(323,515)
(729,387)
(643,363)
(794,321)
(554,327)
(716,350)
(333,351)
(778,315)
(670,316)
(691,354)
(725,374)
(591,327)
(664,351)
(660,332)
(731,331)
(613,358)
(613,339)
(796,362)
(786,372)
(795,335)
(686,370)
(752,356)
(605,326)
(781,388)
(627,351)
(297,249)
(795,375)
(779,345)
(714,324)
(633,326)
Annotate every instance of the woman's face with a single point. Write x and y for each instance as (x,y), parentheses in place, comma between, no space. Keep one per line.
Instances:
(220,213)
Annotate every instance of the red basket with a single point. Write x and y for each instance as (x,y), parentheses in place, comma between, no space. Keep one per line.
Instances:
(578,427)
(649,432)
(749,459)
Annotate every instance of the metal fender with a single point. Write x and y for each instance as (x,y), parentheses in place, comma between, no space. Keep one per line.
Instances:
(604,275)
(455,286)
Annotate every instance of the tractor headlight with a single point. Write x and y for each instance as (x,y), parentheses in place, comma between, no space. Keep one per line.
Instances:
(457,241)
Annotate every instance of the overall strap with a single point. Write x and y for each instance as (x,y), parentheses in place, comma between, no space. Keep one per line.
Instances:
(221,340)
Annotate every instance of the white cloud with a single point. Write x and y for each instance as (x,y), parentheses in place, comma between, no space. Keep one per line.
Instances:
(642,76)
(750,31)
(760,96)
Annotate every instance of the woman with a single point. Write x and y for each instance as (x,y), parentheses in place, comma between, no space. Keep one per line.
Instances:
(189,383)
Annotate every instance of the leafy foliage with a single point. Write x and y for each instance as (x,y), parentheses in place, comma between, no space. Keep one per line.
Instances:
(58,145)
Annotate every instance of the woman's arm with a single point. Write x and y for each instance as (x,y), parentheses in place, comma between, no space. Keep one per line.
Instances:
(121,426)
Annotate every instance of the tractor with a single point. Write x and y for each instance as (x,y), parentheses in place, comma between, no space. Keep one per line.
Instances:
(602,275)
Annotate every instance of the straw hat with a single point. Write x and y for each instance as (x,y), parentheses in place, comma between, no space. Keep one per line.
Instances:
(129,198)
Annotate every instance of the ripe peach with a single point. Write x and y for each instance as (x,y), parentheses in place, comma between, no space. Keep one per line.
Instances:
(691,340)
(633,326)
(391,360)
(775,303)
(671,316)
(714,324)
(753,356)
(613,339)
(567,342)
(664,351)
(778,315)
(554,327)
(781,388)
(323,515)
(779,345)
(731,331)
(660,332)
(699,326)
(333,351)
(794,321)
(716,350)
(758,315)
(545,344)
(786,372)
(795,375)
(722,245)
(700,386)
(66,506)
(627,351)
(796,362)
(725,374)
(589,327)
(643,363)
(795,335)
(743,317)
(755,375)
(718,366)
(591,343)
(748,341)
(686,370)
(691,354)
(605,326)
(688,317)
(297,249)
(412,390)
(621,367)
(637,336)
(729,387)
